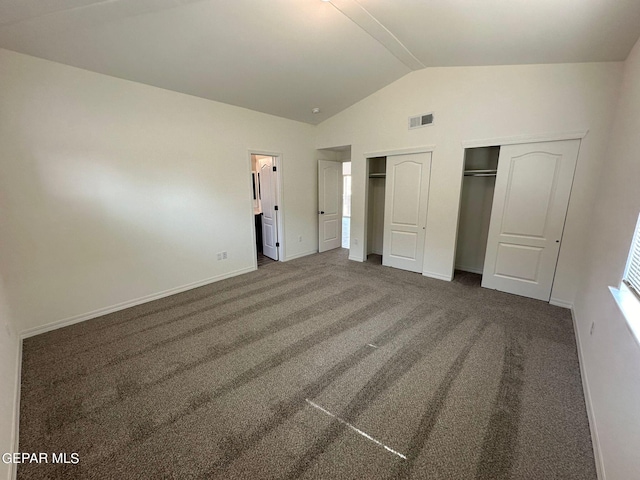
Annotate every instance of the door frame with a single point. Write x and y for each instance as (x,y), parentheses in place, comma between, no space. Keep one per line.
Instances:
(514,140)
(563,176)
(277,159)
(382,153)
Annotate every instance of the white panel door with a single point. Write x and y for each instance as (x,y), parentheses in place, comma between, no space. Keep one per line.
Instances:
(269,202)
(405,210)
(329,205)
(527,218)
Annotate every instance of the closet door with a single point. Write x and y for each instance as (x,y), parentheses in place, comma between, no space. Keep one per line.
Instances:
(527,218)
(405,210)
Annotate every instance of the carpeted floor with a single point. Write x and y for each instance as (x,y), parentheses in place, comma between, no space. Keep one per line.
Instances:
(316,368)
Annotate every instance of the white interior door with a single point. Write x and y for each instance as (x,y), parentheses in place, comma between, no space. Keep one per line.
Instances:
(329,205)
(527,218)
(405,210)
(269,202)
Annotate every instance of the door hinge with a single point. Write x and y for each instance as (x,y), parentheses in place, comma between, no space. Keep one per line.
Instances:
(275,207)
(277,244)
(274,168)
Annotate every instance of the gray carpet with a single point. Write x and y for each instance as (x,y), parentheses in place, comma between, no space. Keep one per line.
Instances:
(316,368)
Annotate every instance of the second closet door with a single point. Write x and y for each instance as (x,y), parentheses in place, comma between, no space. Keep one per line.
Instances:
(405,211)
(527,218)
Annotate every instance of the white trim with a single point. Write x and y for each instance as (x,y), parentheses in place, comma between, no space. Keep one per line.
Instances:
(629,306)
(438,276)
(401,151)
(359,15)
(253,187)
(356,258)
(597,454)
(130,303)
(15,435)
(561,303)
(300,255)
(529,138)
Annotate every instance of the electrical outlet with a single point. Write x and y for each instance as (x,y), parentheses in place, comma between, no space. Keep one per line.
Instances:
(593,325)
(300,238)
(224,255)
(219,256)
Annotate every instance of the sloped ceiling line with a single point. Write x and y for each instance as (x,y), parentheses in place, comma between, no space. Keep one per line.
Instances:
(362,18)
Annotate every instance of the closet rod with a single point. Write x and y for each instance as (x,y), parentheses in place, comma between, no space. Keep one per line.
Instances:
(480,173)
(377,175)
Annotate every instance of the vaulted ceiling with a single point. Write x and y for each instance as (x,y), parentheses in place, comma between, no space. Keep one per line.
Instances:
(285,57)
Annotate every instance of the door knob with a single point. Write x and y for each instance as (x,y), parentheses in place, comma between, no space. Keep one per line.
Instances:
(321,212)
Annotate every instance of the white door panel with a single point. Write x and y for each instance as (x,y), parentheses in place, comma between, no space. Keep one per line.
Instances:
(532,192)
(329,205)
(526,195)
(519,262)
(268,198)
(404,244)
(405,217)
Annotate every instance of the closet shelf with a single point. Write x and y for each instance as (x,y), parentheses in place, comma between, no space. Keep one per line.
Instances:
(480,173)
(377,175)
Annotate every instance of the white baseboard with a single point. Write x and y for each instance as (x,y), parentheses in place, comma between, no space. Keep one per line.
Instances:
(469,269)
(597,454)
(300,255)
(16,411)
(439,276)
(131,303)
(561,303)
(356,258)
(15,435)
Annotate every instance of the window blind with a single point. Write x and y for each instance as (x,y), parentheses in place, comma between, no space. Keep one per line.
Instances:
(632,271)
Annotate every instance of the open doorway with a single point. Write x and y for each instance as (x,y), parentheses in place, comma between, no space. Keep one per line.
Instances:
(265,183)
(334,198)
(376,178)
(346,204)
(476,200)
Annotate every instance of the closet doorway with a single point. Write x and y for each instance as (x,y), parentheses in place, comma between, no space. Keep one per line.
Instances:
(514,239)
(397,202)
(377,172)
(266,209)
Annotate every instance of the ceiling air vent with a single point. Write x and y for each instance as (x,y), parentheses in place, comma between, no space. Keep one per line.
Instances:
(421,120)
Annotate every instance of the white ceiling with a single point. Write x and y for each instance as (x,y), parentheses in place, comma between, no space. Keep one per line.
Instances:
(285,57)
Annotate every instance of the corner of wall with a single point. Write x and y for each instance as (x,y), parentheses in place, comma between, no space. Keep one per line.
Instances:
(597,453)
(10,397)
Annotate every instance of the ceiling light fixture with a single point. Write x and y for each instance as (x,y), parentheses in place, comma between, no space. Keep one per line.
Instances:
(316,109)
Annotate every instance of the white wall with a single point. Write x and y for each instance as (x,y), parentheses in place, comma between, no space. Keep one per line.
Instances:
(8,381)
(473,103)
(611,356)
(114,190)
